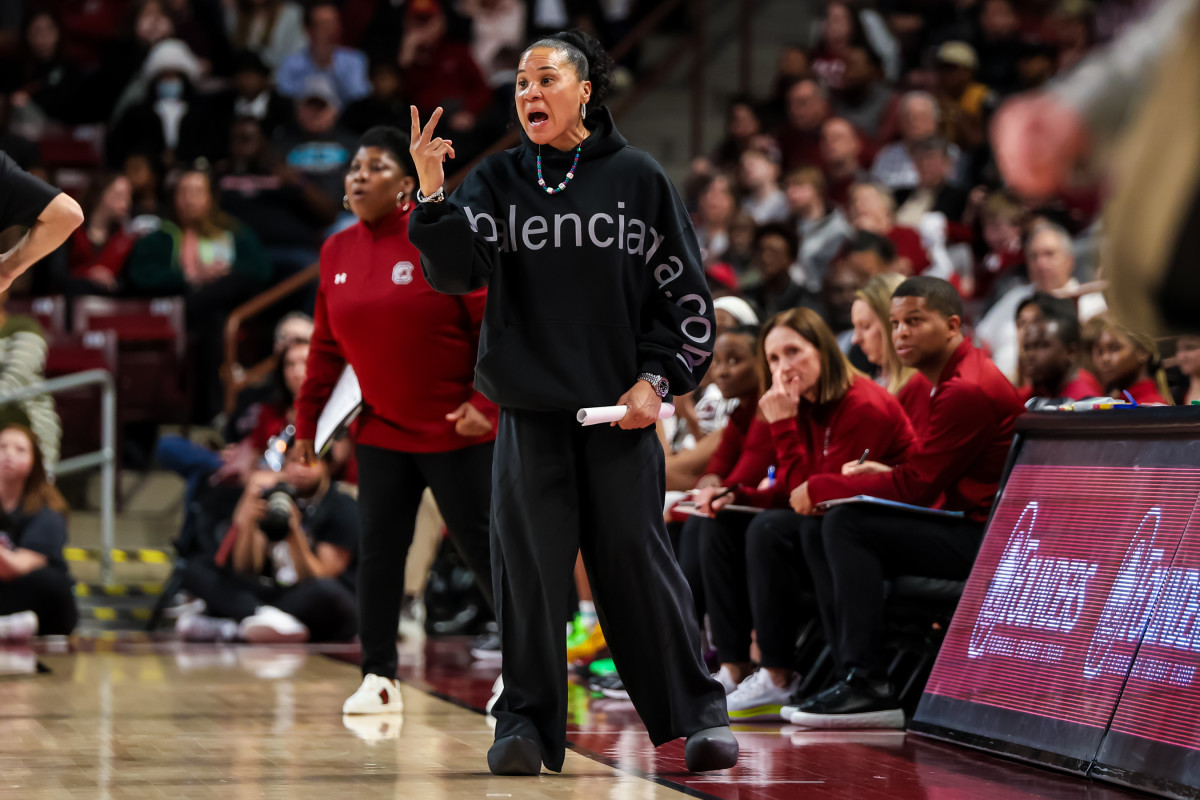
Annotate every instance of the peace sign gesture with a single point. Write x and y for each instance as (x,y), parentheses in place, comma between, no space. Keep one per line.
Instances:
(429,152)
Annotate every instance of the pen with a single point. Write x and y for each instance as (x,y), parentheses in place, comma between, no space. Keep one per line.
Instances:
(864,455)
(771,477)
(1129,397)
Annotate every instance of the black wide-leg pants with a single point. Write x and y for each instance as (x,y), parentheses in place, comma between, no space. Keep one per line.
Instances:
(390,485)
(558,488)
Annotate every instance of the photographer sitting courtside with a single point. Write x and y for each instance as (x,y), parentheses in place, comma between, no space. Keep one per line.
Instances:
(285,572)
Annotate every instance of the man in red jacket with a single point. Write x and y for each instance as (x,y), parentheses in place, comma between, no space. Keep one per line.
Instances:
(961,457)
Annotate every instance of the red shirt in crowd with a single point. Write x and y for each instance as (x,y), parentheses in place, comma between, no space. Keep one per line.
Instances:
(821,438)
(448,73)
(1081,387)
(745,451)
(111,256)
(412,348)
(962,452)
(908,245)
(1145,391)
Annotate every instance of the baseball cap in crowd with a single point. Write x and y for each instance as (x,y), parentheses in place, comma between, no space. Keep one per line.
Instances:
(320,87)
(958,54)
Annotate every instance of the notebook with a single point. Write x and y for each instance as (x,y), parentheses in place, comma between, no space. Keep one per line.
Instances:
(879,501)
(340,411)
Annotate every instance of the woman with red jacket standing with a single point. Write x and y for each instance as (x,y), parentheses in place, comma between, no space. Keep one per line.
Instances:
(423,422)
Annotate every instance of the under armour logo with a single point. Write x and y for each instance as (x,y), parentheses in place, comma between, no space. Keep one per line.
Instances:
(339,278)
(402,273)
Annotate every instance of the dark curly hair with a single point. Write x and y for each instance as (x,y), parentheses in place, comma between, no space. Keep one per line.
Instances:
(588,58)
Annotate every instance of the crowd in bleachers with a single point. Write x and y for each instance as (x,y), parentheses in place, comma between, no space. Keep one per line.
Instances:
(208,142)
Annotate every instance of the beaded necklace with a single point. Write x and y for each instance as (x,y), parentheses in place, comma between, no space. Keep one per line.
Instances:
(570,172)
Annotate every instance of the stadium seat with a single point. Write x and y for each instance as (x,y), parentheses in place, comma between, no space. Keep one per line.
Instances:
(79,409)
(50,312)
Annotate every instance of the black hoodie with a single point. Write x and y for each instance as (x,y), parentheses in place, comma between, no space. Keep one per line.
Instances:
(586,288)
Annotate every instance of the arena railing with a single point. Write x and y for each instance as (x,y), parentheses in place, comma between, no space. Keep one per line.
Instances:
(105,458)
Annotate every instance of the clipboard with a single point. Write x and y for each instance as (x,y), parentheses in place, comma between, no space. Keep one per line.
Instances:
(691,509)
(344,405)
(892,504)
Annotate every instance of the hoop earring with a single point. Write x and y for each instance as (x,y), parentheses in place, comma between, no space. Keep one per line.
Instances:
(583,110)
(346,202)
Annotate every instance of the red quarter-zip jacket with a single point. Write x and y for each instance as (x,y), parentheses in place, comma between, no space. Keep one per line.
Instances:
(821,438)
(744,452)
(962,451)
(412,348)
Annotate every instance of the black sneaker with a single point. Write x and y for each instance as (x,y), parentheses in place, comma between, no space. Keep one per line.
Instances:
(611,686)
(854,702)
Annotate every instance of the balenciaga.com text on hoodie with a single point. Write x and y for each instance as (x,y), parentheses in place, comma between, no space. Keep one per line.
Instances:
(587,288)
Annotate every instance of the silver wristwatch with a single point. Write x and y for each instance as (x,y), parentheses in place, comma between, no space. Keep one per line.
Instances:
(436,197)
(662,387)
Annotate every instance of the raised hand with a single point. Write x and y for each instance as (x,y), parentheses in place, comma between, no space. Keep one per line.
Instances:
(429,152)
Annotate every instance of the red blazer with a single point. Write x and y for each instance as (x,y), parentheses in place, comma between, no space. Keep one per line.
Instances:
(821,438)
(412,348)
(961,453)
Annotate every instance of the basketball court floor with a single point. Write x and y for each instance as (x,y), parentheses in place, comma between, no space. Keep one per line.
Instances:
(132,717)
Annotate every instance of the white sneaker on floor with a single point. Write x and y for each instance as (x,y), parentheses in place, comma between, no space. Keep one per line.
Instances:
(193,627)
(377,695)
(497,689)
(725,678)
(19,627)
(269,625)
(375,728)
(758,698)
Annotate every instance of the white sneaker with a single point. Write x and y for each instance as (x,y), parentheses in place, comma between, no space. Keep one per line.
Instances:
(19,627)
(193,627)
(269,625)
(377,695)
(375,728)
(725,678)
(497,690)
(758,698)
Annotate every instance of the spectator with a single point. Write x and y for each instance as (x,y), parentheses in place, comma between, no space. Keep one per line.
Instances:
(201,24)
(273,29)
(385,105)
(792,65)
(295,327)
(1005,258)
(118,82)
(822,230)
(497,28)
(865,100)
(763,200)
(739,253)
(544,17)
(873,210)
(287,211)
(743,129)
(869,253)
(214,261)
(841,159)
(43,82)
(438,71)
(1035,65)
(919,120)
(873,335)
(35,588)
(933,193)
(800,136)
(834,36)
(22,363)
(1050,354)
(1187,356)
(1128,364)
(344,68)
(315,144)
(1051,266)
(296,588)
(821,413)
(144,187)
(857,546)
(87,25)
(714,215)
(776,248)
(841,285)
(252,96)
(962,101)
(998,45)
(100,248)
(171,124)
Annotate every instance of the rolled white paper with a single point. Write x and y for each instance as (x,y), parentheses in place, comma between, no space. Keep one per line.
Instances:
(602,415)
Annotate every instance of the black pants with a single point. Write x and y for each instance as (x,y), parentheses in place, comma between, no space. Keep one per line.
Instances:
(47,593)
(856,548)
(324,605)
(390,484)
(723,563)
(558,489)
(777,576)
(686,541)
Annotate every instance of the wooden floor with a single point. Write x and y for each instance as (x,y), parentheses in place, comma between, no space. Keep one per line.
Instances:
(140,718)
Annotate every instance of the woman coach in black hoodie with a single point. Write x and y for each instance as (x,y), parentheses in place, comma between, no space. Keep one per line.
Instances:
(595,297)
